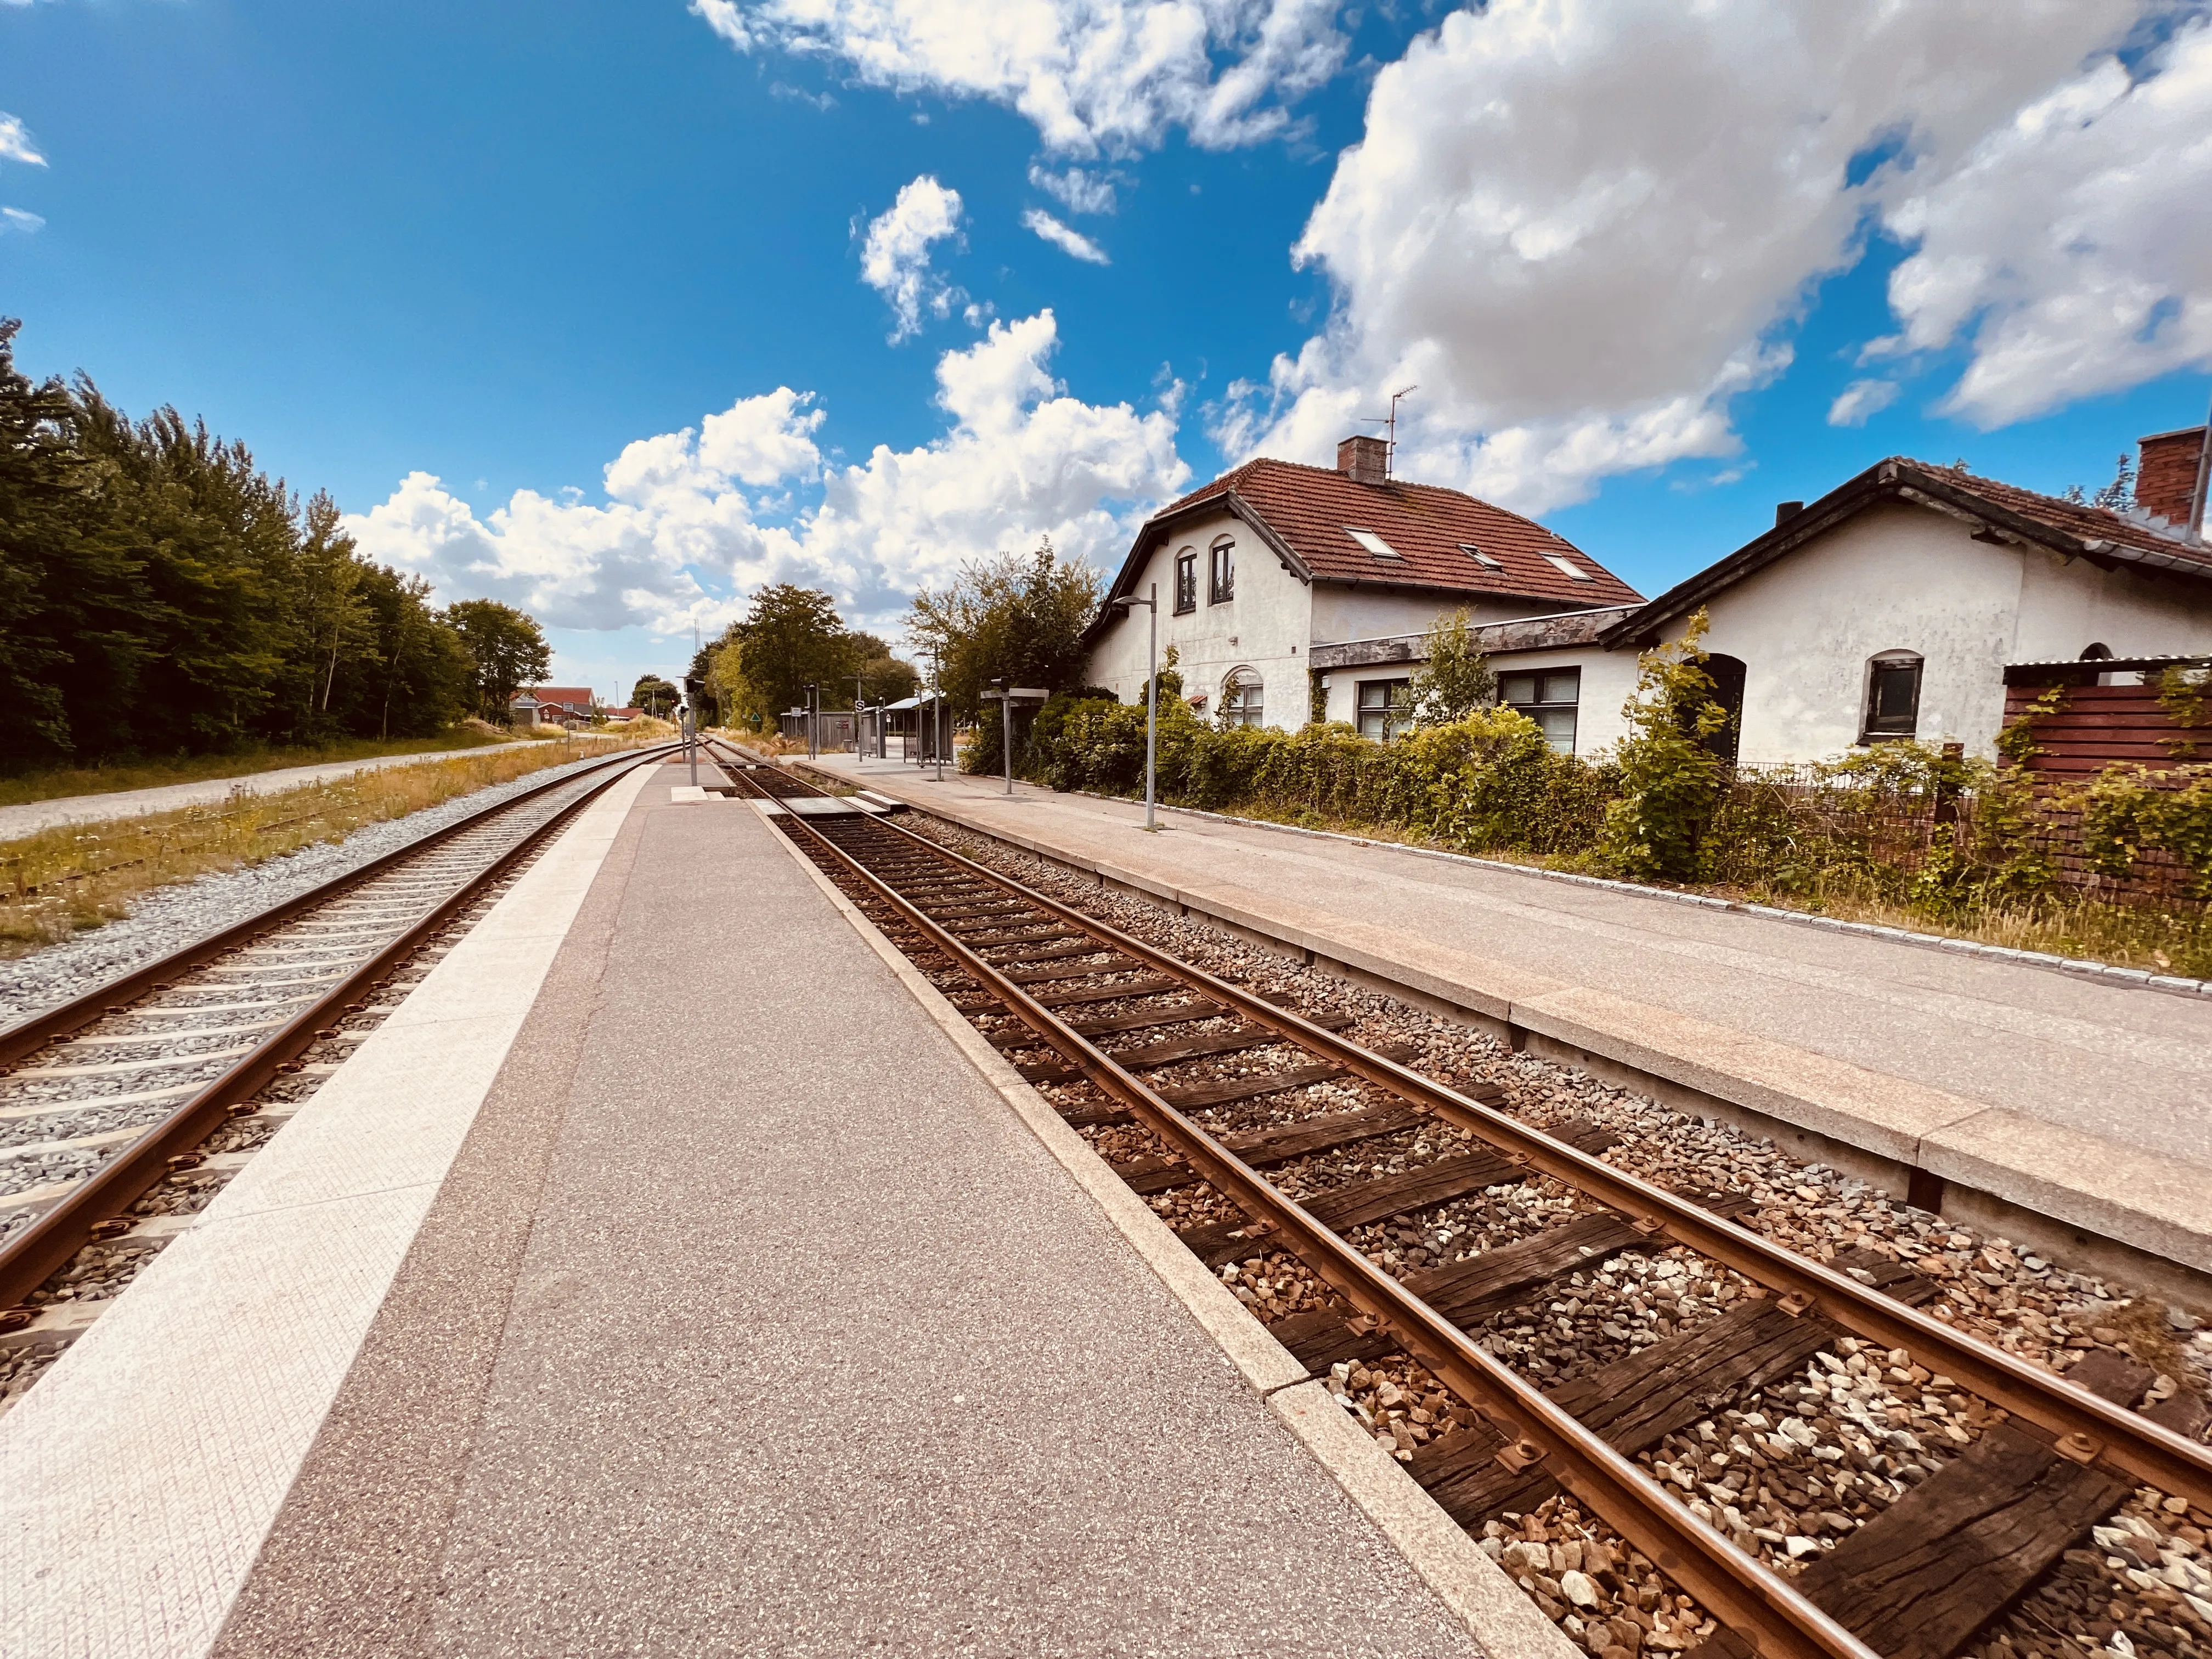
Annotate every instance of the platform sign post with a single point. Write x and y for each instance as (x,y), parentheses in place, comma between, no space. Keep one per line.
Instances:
(1007,696)
(692,689)
(1151,697)
(937,706)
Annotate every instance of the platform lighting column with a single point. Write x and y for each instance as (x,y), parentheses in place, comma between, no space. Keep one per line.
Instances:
(1151,697)
(937,706)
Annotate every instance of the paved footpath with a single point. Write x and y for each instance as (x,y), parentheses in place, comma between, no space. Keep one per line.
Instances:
(703,1293)
(2088,1103)
(34,815)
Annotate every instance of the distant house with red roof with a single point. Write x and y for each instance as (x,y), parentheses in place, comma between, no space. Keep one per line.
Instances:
(552,705)
(1889,609)
(1274,579)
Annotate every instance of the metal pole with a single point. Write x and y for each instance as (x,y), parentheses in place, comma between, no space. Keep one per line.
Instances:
(936,708)
(1152,711)
(691,735)
(2204,478)
(1006,730)
(859,695)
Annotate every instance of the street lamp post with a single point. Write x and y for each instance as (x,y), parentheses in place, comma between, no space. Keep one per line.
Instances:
(937,706)
(1151,698)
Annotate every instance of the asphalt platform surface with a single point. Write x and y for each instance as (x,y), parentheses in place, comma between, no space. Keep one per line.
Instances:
(750,1319)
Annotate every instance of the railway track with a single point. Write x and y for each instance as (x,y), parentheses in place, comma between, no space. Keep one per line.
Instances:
(1111,1027)
(113,1094)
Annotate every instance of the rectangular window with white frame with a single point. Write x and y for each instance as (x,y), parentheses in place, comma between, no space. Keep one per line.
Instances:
(1549,696)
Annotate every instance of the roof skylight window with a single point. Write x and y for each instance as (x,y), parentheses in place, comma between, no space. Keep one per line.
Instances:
(1480,557)
(1571,568)
(1373,543)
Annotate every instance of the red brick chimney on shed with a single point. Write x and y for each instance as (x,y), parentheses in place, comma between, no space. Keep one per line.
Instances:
(1364,460)
(2167,476)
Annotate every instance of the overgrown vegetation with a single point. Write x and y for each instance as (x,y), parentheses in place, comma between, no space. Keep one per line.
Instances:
(160,595)
(59,782)
(73,877)
(1907,833)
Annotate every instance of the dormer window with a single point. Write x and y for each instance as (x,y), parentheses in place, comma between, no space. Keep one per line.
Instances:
(1373,543)
(1568,567)
(1486,561)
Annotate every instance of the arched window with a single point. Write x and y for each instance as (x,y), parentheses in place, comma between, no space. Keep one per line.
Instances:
(2097,652)
(1892,697)
(1185,589)
(1242,699)
(1221,583)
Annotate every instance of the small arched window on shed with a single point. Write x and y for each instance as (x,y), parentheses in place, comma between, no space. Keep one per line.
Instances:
(1242,700)
(2097,651)
(1892,697)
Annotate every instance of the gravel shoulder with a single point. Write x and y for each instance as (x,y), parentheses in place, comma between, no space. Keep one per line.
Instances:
(173,917)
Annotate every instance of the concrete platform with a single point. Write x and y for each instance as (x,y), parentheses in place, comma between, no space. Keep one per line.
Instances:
(702,1284)
(2067,1113)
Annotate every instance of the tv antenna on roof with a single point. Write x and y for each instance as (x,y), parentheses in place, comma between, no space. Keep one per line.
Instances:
(1390,427)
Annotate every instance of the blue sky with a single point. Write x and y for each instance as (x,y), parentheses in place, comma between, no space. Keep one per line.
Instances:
(499,246)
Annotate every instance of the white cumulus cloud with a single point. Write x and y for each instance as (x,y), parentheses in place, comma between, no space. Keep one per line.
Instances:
(2073,246)
(1066,237)
(1861,400)
(15,143)
(1077,189)
(679,539)
(1092,75)
(895,257)
(1580,227)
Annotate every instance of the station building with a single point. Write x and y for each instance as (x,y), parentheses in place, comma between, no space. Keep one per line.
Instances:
(1889,609)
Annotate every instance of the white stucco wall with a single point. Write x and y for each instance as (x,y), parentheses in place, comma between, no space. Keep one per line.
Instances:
(1901,577)
(1265,627)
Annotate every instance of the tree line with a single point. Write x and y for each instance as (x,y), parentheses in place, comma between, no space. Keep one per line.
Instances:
(161,594)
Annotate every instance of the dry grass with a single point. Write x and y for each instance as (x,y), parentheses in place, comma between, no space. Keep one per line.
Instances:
(74,877)
(61,783)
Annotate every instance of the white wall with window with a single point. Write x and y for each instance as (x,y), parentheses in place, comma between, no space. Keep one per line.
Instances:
(1229,608)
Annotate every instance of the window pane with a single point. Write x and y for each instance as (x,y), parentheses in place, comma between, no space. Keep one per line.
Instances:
(1557,725)
(1516,688)
(1559,687)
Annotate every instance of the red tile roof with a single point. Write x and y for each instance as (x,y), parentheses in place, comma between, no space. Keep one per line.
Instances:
(574,696)
(2082,522)
(1311,507)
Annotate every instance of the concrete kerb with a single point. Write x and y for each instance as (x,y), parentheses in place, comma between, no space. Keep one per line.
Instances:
(2097,1205)
(1455,1569)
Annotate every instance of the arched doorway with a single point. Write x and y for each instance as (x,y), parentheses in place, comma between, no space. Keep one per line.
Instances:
(1727,674)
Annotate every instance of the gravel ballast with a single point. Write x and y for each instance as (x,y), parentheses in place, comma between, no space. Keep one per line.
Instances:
(1787,1472)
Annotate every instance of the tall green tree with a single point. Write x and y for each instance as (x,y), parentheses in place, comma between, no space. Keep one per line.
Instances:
(655,695)
(507,651)
(792,636)
(1019,619)
(47,491)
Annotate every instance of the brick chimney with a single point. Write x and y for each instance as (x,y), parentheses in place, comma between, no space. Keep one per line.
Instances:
(1363,460)
(2165,477)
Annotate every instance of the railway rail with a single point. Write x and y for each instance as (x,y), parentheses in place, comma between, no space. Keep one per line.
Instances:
(128,1080)
(1102,1016)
